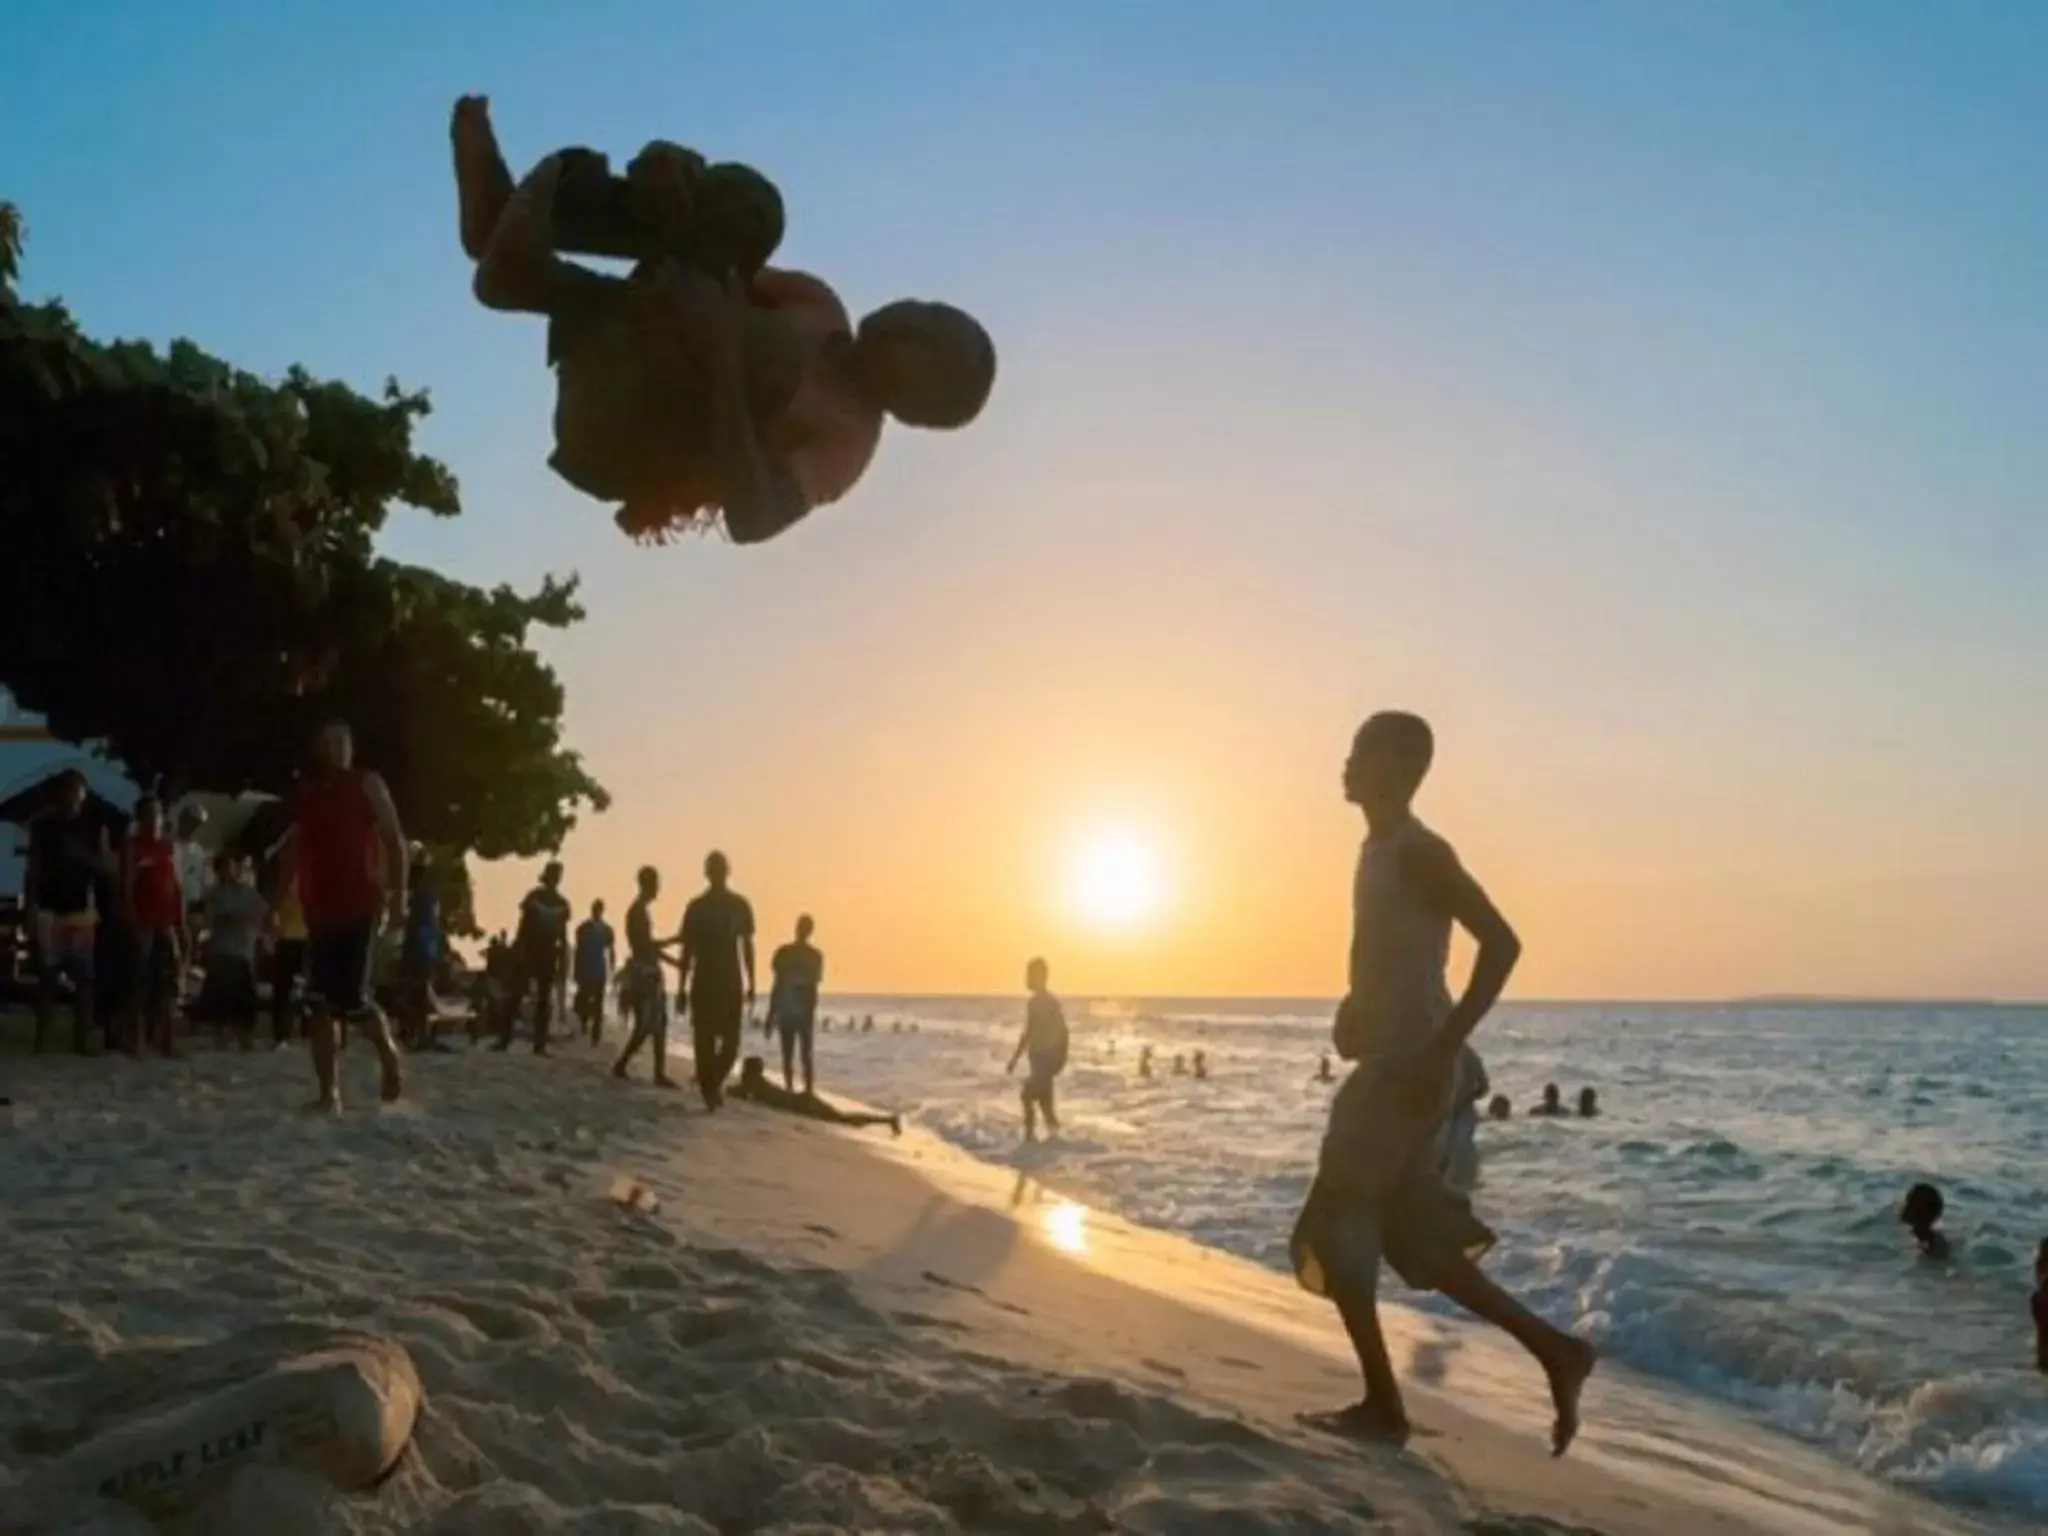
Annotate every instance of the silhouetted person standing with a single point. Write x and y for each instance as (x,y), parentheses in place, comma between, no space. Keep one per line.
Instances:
(643,988)
(596,959)
(67,855)
(539,946)
(717,982)
(1044,1042)
(799,971)
(2041,1308)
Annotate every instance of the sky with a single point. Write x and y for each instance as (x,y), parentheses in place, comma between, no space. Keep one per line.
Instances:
(1650,395)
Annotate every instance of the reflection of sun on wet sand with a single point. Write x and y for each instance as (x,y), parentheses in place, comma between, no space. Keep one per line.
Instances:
(795,1327)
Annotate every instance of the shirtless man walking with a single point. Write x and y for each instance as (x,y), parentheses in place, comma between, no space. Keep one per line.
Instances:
(349,857)
(1380,1191)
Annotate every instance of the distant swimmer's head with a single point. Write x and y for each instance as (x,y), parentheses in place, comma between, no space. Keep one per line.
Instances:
(1501,1108)
(1922,1207)
(1589,1103)
(926,364)
(717,868)
(1552,1098)
(1036,975)
(650,881)
(753,1072)
(551,874)
(805,928)
(1390,756)
(334,745)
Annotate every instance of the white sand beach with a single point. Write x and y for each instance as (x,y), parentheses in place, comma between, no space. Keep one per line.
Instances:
(816,1330)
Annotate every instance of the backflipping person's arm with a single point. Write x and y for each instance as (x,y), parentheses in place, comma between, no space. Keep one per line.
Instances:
(1433,865)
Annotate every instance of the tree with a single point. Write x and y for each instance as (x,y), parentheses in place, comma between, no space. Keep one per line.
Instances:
(188,576)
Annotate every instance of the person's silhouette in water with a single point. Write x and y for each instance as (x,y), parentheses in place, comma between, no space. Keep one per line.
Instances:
(1145,1063)
(755,1088)
(1323,1072)
(1502,1107)
(1553,1101)
(1201,1067)
(1589,1104)
(1920,1213)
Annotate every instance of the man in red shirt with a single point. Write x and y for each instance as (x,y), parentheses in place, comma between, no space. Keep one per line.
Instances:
(348,854)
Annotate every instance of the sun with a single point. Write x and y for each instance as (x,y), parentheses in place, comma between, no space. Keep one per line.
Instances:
(1115,881)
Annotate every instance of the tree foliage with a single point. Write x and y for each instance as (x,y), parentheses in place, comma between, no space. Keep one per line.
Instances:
(189,576)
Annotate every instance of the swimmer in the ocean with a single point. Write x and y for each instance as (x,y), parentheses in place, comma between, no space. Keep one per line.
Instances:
(1502,1107)
(756,1089)
(2041,1308)
(1145,1063)
(1201,1067)
(1589,1104)
(1323,1072)
(1180,1066)
(1553,1101)
(1920,1212)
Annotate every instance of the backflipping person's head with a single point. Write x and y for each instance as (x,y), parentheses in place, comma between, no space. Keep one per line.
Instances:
(1037,975)
(1390,756)
(926,364)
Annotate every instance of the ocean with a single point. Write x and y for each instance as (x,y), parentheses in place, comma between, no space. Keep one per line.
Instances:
(1727,1225)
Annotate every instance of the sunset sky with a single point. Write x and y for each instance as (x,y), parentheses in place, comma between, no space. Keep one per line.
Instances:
(1652,395)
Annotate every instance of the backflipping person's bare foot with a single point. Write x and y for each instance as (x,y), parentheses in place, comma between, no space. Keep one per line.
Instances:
(482,181)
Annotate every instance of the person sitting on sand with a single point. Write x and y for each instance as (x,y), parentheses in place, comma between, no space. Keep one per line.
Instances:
(705,379)
(1045,1041)
(642,986)
(1379,1191)
(2040,1303)
(1589,1104)
(756,1089)
(1553,1102)
(1501,1108)
(1919,1213)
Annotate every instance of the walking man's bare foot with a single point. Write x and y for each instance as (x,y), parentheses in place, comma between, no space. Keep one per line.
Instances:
(1568,1376)
(1364,1421)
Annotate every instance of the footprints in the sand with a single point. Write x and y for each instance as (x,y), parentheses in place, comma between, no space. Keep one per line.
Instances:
(933,1277)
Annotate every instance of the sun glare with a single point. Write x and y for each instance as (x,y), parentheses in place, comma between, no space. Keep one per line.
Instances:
(1066,1227)
(1115,880)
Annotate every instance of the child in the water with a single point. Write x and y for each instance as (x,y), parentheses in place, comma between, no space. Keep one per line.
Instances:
(1920,1211)
(706,381)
